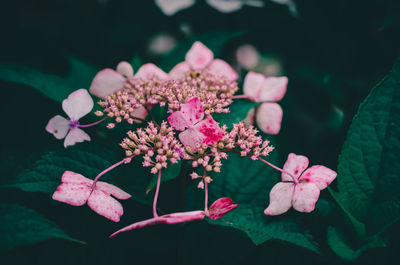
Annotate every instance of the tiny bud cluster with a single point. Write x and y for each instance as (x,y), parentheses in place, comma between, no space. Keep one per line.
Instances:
(158,145)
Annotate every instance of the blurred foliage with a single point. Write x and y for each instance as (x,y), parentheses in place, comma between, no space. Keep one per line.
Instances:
(333,53)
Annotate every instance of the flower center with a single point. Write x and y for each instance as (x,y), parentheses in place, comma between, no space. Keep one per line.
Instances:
(73,124)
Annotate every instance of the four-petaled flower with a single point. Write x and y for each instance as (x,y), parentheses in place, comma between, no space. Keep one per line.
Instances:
(195,130)
(199,57)
(76,190)
(301,190)
(267,90)
(77,105)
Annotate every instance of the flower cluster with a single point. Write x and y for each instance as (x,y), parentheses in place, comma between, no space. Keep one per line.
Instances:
(158,145)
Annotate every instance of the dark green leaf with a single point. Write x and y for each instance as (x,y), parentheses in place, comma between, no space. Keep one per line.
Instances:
(22,226)
(238,112)
(166,174)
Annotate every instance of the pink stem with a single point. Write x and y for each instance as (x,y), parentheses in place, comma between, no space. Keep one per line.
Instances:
(108,169)
(279,169)
(92,124)
(156,195)
(242,96)
(205,192)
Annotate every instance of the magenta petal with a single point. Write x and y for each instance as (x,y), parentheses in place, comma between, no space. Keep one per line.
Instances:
(106,82)
(273,88)
(280,198)
(149,70)
(74,136)
(305,196)
(78,104)
(72,194)
(295,164)
(173,218)
(125,69)
(199,56)
(221,68)
(105,205)
(179,70)
(269,117)
(221,207)
(319,175)
(113,190)
(252,85)
(58,126)
(211,131)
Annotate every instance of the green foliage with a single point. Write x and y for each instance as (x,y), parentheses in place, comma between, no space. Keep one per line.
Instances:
(238,112)
(22,226)
(53,86)
(166,174)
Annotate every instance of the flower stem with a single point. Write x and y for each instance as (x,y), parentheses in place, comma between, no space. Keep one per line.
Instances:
(92,124)
(241,96)
(205,192)
(125,160)
(279,169)
(156,195)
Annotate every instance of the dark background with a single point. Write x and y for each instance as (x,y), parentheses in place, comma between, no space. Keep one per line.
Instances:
(333,53)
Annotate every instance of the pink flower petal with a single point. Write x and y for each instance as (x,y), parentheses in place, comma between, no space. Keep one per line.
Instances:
(113,190)
(72,194)
(221,68)
(140,113)
(305,196)
(249,120)
(74,136)
(269,117)
(193,111)
(273,89)
(199,56)
(125,69)
(75,178)
(252,85)
(78,104)
(179,70)
(149,70)
(280,198)
(173,218)
(221,207)
(319,175)
(211,131)
(295,164)
(178,121)
(58,126)
(170,7)
(107,82)
(105,205)
(191,138)
(226,6)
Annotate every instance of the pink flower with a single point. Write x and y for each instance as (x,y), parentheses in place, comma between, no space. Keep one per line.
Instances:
(301,191)
(218,209)
(199,57)
(268,90)
(77,105)
(76,190)
(194,129)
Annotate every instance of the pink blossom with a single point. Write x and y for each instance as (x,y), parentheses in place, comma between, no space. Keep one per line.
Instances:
(195,130)
(299,189)
(200,58)
(268,90)
(76,190)
(77,105)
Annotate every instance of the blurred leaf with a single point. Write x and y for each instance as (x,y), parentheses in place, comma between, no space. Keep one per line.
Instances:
(136,63)
(340,245)
(166,174)
(53,86)
(215,41)
(238,112)
(22,226)
(368,179)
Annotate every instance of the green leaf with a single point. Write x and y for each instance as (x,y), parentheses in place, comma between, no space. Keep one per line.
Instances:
(166,174)
(238,112)
(368,179)
(215,41)
(340,245)
(22,226)
(53,86)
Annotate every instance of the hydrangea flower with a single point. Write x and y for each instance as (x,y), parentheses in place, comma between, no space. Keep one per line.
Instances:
(199,57)
(195,130)
(268,90)
(77,105)
(76,190)
(298,188)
